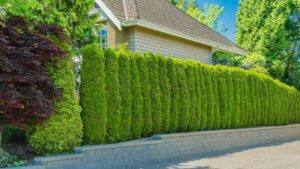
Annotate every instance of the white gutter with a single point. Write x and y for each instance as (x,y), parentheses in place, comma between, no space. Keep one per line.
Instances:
(213,44)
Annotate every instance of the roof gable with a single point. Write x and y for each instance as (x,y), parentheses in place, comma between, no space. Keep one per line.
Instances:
(162,13)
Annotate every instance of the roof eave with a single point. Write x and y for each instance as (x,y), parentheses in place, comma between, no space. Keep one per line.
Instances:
(109,14)
(213,44)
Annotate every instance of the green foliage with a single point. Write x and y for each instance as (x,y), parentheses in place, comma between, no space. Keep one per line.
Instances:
(190,77)
(125,94)
(145,83)
(155,93)
(203,94)
(61,132)
(164,84)
(184,97)
(174,112)
(12,134)
(92,96)
(172,95)
(222,93)
(270,30)
(112,96)
(209,15)
(72,16)
(6,159)
(228,59)
(210,101)
(137,102)
(198,100)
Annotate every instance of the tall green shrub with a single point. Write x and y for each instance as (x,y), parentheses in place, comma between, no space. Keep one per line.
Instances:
(142,65)
(236,113)
(155,93)
(222,93)
(184,97)
(164,84)
(112,96)
(174,112)
(216,108)
(149,94)
(125,94)
(190,76)
(203,94)
(210,101)
(229,97)
(61,132)
(137,102)
(252,101)
(92,95)
(198,105)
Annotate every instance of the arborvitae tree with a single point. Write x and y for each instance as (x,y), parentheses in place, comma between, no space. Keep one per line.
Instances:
(265,104)
(137,101)
(236,114)
(112,96)
(247,101)
(252,101)
(243,115)
(259,109)
(198,94)
(223,93)
(142,65)
(190,76)
(174,95)
(156,107)
(230,97)
(203,94)
(217,122)
(278,105)
(172,75)
(164,84)
(272,111)
(184,98)
(270,28)
(125,93)
(210,98)
(92,95)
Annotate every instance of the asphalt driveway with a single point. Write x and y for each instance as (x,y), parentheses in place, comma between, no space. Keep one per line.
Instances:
(280,156)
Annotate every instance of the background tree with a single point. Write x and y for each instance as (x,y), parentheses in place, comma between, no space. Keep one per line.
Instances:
(272,31)
(209,15)
(72,16)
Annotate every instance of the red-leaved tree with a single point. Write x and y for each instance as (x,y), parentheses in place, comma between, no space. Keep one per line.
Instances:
(26,90)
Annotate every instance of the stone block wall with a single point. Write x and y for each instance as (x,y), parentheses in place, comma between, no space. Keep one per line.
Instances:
(168,147)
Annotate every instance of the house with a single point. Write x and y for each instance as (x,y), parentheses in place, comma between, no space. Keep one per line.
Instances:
(159,27)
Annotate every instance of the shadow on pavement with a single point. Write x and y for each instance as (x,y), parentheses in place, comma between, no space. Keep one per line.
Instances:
(183,163)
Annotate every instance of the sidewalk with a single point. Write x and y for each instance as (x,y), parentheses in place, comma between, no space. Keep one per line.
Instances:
(282,156)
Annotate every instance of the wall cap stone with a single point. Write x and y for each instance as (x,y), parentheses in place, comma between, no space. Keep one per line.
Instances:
(214,132)
(58,158)
(27,167)
(118,145)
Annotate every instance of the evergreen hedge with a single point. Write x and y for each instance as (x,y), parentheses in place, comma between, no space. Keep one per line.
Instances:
(149,94)
(94,129)
(62,131)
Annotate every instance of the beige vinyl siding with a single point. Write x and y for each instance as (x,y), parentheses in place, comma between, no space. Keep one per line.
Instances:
(145,40)
(131,39)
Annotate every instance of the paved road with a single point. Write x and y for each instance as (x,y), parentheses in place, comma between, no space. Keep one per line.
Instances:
(281,156)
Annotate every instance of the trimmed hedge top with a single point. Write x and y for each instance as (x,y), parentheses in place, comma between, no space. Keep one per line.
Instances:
(128,96)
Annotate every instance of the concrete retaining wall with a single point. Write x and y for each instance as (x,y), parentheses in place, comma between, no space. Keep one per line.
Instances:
(162,148)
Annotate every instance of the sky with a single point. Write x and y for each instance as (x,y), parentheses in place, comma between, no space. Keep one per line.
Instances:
(228,16)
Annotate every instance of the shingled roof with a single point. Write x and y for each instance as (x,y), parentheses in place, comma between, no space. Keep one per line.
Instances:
(165,15)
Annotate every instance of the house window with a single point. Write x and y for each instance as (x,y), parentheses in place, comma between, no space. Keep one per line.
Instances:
(103,37)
